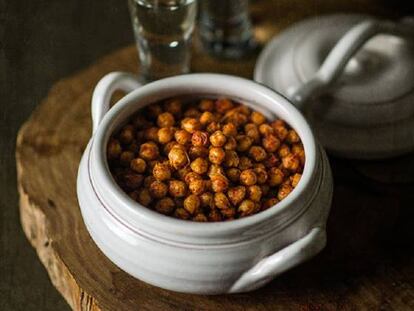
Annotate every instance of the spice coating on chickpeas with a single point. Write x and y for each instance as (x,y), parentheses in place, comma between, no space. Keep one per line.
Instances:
(205,160)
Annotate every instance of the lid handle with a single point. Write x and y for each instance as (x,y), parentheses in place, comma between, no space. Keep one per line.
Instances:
(343,51)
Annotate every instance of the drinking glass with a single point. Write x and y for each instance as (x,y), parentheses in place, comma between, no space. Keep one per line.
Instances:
(163,30)
(225,28)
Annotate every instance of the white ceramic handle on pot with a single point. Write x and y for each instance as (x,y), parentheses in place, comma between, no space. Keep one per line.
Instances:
(285,259)
(114,81)
(343,51)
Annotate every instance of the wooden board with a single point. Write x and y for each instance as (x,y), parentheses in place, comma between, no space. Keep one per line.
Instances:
(367,265)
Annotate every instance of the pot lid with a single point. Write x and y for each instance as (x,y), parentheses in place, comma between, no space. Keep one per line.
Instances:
(356,79)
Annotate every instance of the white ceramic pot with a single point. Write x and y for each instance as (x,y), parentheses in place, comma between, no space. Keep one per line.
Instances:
(204,258)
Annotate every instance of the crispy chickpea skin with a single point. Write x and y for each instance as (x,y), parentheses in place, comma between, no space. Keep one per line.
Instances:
(206,105)
(284,191)
(199,165)
(200,218)
(177,188)
(236,194)
(219,183)
(165,119)
(126,157)
(214,215)
(114,149)
(173,106)
(269,203)
(192,204)
(245,163)
(144,197)
(199,139)
(255,193)
(197,186)
(207,200)
(265,129)
(165,135)
(216,155)
(149,151)
(233,174)
(178,158)
(218,139)
(231,159)
(165,206)
(161,171)
(190,125)
(276,176)
(271,143)
(291,162)
(127,134)
(243,143)
(158,189)
(261,175)
(229,129)
(292,137)
(133,181)
(223,105)
(207,117)
(252,131)
(212,127)
(247,207)
(257,153)
(257,118)
(231,143)
(294,180)
(190,177)
(197,152)
(181,213)
(248,177)
(151,133)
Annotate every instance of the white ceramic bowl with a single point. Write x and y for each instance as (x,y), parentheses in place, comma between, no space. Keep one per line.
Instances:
(204,258)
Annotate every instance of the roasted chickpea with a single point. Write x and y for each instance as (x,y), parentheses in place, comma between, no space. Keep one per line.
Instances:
(257,153)
(255,193)
(181,213)
(165,119)
(292,137)
(165,135)
(248,177)
(197,152)
(165,206)
(212,127)
(214,215)
(298,150)
(161,171)
(265,189)
(247,207)
(276,177)
(236,194)
(294,180)
(219,183)
(148,181)
(177,188)
(265,129)
(284,191)
(215,169)
(238,119)
(144,197)
(192,113)
(243,143)
(126,157)
(283,151)
(206,105)
(192,204)
(200,217)
(178,158)
(229,129)
(216,155)
(182,137)
(173,106)
(114,149)
(197,186)
(257,118)
(151,133)
(280,129)
(269,203)
(127,134)
(167,147)
(149,151)
(190,177)
(291,162)
(207,117)
(218,139)
(261,175)
(252,131)
(199,139)
(271,143)
(200,166)
(133,181)
(245,163)
(233,174)
(221,201)
(158,189)
(190,125)
(207,200)
(228,213)
(231,143)
(223,105)
(271,161)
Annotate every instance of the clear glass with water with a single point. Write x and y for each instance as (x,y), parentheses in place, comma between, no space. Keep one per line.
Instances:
(163,30)
(225,28)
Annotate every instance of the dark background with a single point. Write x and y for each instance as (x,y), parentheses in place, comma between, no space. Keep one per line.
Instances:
(41,42)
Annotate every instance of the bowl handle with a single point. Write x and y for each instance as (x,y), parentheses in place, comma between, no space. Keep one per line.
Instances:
(285,259)
(343,51)
(114,81)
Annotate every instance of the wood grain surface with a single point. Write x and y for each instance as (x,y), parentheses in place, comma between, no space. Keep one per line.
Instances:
(368,264)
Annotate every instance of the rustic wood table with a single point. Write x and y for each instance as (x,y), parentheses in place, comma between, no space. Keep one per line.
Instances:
(367,265)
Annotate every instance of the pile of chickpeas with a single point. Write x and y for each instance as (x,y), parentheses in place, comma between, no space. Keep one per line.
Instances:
(205,160)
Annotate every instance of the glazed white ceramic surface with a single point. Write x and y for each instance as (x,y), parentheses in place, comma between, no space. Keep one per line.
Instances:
(367,68)
(203,258)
